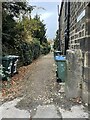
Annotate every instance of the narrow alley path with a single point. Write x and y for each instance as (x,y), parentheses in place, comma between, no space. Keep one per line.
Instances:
(42,96)
(40,87)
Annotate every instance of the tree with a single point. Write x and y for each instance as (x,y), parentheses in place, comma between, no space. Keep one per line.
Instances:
(10,12)
(17,8)
(56,41)
(38,29)
(22,35)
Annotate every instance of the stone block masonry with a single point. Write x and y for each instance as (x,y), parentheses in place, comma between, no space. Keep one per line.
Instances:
(74,74)
(78,52)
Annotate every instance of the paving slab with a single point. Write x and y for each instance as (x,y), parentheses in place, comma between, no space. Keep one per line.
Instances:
(8,110)
(76,111)
(47,111)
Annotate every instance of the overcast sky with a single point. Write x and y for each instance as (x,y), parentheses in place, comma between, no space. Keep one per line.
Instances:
(49,15)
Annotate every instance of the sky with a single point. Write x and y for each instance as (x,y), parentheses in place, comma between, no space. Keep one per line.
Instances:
(49,15)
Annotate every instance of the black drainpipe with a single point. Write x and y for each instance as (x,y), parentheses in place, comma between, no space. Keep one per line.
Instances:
(67,27)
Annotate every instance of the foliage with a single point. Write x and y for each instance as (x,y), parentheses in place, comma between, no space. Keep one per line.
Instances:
(38,29)
(36,48)
(10,12)
(21,34)
(56,42)
(15,9)
(45,48)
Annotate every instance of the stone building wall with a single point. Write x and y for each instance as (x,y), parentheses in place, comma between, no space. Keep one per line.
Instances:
(78,53)
(0,29)
(85,47)
(77,24)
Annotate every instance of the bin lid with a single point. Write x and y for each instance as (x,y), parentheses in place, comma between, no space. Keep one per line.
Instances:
(57,51)
(60,58)
(8,57)
(13,56)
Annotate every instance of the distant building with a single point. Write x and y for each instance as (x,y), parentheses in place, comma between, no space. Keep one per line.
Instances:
(74,28)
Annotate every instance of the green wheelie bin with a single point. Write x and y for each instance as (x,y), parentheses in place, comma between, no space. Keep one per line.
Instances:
(61,68)
(6,67)
(2,74)
(9,65)
(14,64)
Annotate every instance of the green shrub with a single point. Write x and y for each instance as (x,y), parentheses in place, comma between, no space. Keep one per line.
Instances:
(45,48)
(36,48)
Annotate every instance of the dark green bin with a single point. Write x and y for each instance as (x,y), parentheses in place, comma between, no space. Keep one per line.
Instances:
(9,65)
(7,62)
(61,68)
(14,64)
(5,67)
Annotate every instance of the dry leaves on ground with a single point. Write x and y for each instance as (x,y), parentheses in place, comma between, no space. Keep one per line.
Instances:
(11,88)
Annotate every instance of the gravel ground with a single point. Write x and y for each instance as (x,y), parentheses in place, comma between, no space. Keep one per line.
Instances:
(39,87)
(36,88)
